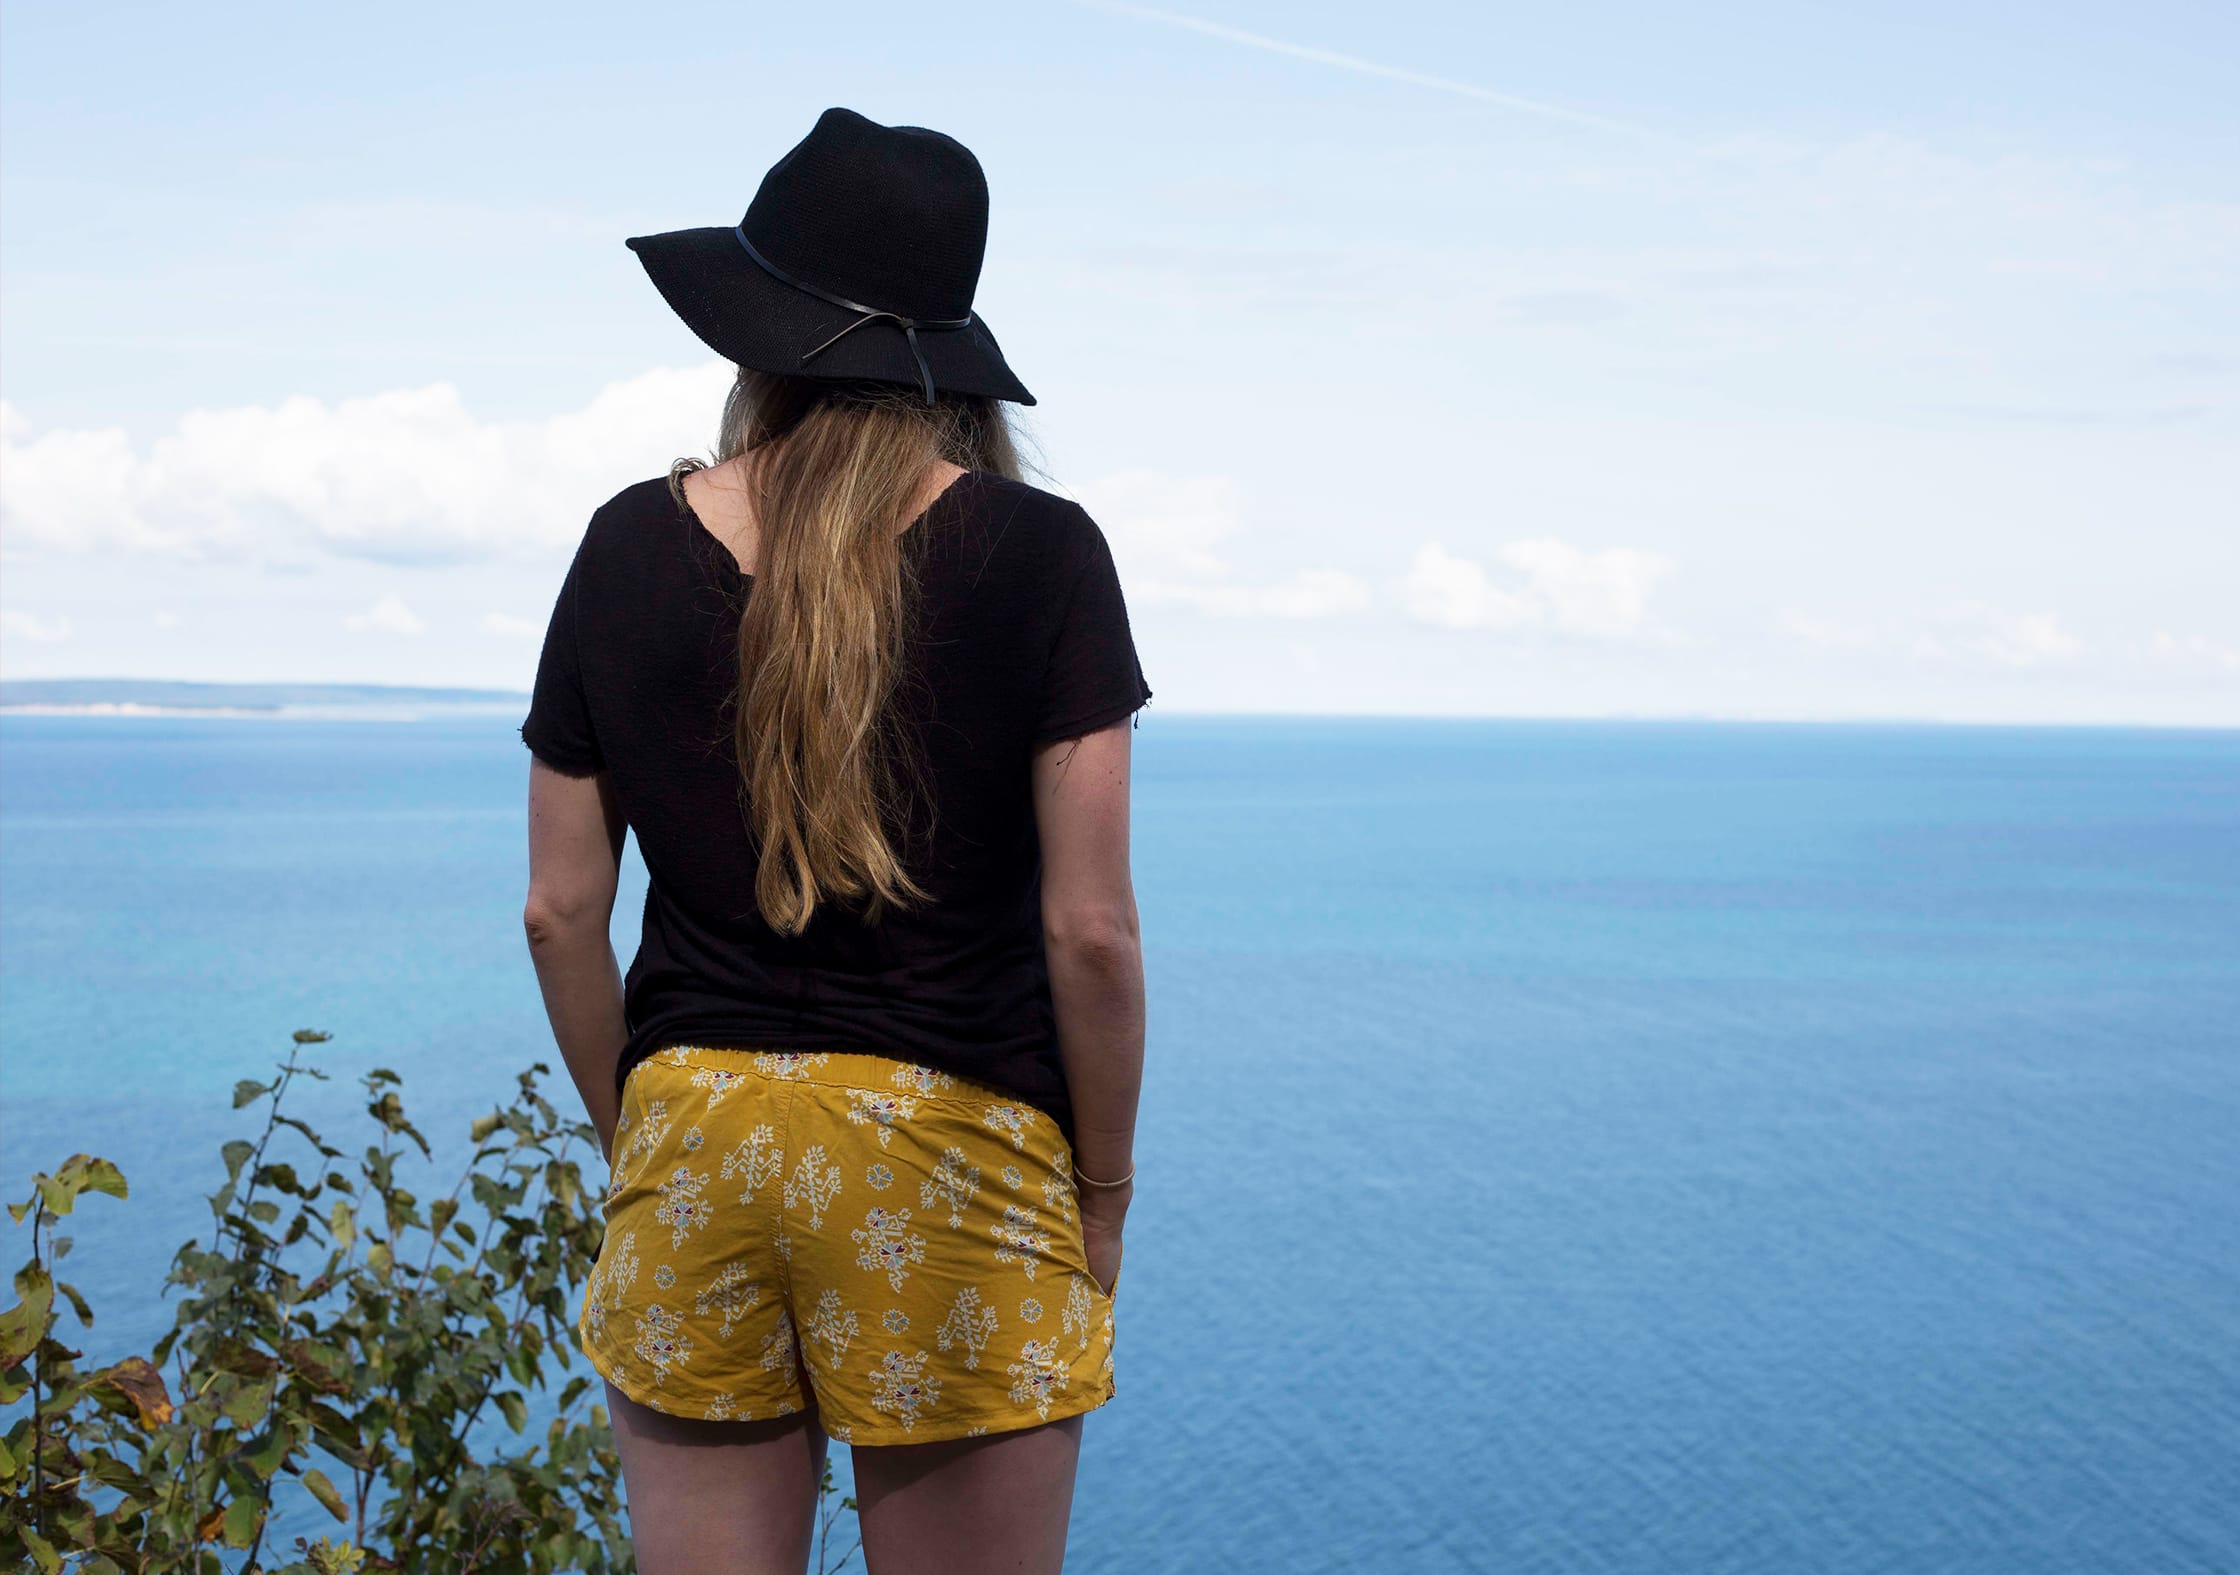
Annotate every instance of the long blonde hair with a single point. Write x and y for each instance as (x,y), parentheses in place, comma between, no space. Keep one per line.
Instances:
(826,769)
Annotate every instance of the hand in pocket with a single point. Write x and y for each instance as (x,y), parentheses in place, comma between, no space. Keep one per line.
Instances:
(1103,1212)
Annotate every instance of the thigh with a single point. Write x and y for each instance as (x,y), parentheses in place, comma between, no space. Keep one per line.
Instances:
(735,1496)
(963,1506)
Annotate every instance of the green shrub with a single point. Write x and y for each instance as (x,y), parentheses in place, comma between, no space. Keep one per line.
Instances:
(412,1324)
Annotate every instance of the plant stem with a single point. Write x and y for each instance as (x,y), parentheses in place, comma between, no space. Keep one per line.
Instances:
(38,1420)
(271,1124)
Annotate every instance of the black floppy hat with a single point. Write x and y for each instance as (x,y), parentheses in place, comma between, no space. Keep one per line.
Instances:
(856,262)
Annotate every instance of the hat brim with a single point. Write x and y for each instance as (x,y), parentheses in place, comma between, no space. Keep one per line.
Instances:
(756,320)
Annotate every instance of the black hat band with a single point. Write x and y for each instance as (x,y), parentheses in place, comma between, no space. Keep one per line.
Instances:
(908,325)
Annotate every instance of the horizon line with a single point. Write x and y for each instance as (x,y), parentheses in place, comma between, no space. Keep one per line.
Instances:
(488,694)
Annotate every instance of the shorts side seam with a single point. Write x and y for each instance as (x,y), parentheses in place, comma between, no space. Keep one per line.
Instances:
(778,1214)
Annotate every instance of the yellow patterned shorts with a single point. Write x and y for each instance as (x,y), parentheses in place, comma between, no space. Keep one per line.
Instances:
(897,1246)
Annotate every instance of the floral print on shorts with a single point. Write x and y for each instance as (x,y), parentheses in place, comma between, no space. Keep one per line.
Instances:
(897,1246)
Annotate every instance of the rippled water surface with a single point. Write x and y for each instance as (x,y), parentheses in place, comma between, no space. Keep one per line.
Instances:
(1581,1147)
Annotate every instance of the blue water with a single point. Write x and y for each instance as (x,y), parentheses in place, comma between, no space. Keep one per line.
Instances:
(1581,1147)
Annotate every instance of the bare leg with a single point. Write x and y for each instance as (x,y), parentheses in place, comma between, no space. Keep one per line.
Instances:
(739,1497)
(993,1505)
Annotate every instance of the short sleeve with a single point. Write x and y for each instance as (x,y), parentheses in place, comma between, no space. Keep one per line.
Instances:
(1093,677)
(558,728)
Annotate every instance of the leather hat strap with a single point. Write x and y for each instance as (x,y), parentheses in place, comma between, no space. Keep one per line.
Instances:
(908,325)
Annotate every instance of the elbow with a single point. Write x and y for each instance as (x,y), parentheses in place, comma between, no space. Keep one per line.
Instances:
(1105,938)
(550,918)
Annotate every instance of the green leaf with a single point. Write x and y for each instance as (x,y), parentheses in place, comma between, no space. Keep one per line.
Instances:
(25,1324)
(236,1155)
(77,1303)
(246,1406)
(102,1176)
(248,1089)
(324,1492)
(312,1036)
(43,1556)
(269,1455)
(59,1192)
(241,1521)
(517,1413)
(485,1125)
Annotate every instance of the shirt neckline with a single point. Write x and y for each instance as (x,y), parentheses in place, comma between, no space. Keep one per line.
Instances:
(729,562)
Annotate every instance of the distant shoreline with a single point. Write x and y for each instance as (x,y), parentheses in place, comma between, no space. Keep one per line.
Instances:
(142,698)
(159,697)
(134,708)
(366,711)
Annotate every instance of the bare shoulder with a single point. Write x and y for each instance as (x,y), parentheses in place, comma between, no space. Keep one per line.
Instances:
(716,493)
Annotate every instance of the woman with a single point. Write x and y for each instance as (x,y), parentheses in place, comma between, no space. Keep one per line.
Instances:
(868,1092)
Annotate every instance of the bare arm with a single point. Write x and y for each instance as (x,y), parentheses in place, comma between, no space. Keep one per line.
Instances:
(1096,964)
(575,860)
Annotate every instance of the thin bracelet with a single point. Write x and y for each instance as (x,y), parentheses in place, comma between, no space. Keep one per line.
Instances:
(1080,1175)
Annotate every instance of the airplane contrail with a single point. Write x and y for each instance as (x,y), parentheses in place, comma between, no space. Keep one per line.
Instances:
(1331,57)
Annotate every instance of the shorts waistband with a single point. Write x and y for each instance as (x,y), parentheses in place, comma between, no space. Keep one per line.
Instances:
(868,1069)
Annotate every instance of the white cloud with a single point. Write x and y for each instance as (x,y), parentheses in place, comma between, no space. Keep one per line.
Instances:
(1164,529)
(1965,628)
(389,615)
(1169,535)
(1445,589)
(408,475)
(1814,629)
(511,627)
(2194,649)
(2019,639)
(1308,593)
(1166,532)
(1552,584)
(17,625)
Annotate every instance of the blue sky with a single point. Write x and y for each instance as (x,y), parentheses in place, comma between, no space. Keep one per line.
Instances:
(1738,361)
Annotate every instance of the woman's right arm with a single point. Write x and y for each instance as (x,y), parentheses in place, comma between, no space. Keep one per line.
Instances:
(1096,966)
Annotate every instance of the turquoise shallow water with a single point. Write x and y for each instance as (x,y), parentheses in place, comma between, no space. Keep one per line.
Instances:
(1583,1147)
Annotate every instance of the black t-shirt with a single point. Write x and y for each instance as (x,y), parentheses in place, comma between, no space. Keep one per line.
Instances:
(1018,636)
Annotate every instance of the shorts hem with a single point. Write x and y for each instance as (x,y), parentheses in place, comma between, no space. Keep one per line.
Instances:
(928,1432)
(943,1430)
(652,1399)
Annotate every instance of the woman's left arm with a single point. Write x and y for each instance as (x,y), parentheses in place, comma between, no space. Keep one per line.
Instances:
(575,859)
